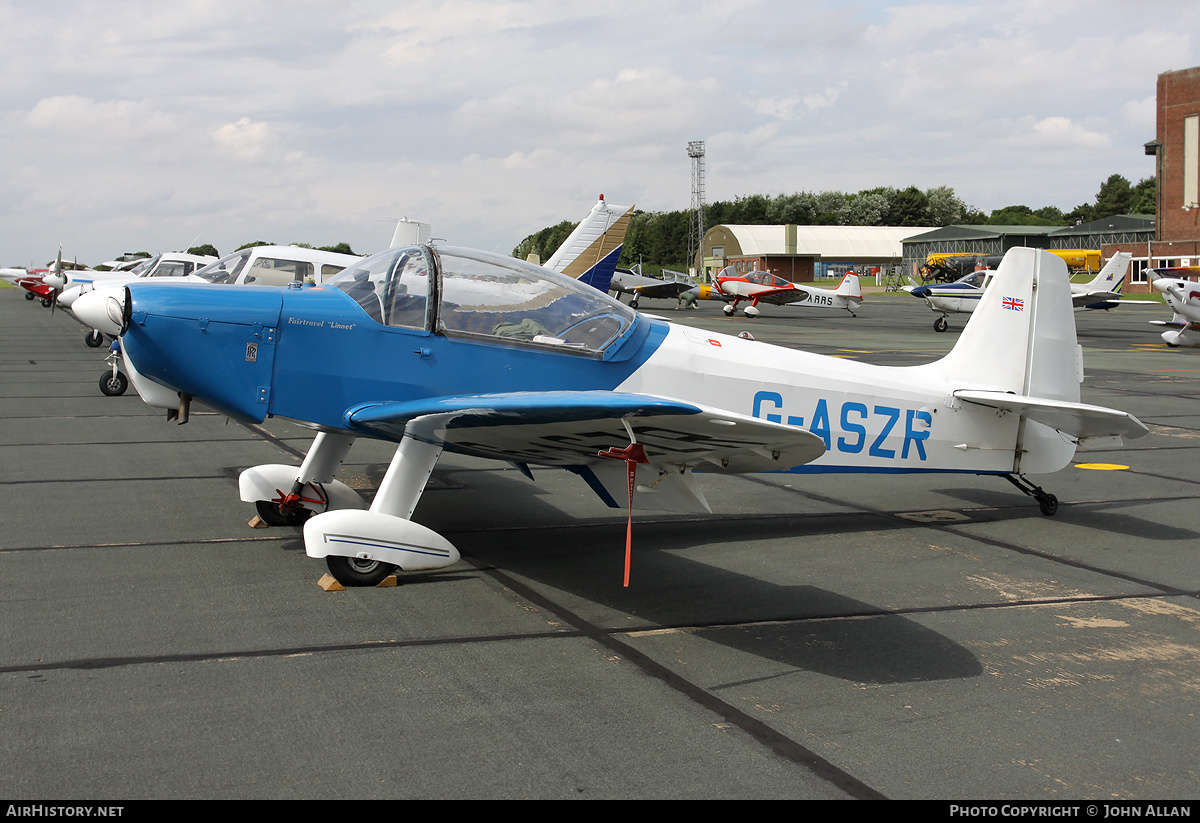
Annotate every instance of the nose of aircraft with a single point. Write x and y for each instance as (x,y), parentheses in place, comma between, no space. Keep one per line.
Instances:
(99,308)
(213,344)
(1161,284)
(55,281)
(920,291)
(69,296)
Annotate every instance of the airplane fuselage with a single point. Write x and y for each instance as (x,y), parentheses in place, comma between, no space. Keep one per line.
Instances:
(299,354)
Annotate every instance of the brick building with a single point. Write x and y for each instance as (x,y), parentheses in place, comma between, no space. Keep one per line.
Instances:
(1176,148)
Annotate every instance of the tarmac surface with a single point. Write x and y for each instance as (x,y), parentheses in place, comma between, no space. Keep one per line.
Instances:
(816,637)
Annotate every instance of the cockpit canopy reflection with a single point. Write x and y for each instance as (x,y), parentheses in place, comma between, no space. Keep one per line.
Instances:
(466,293)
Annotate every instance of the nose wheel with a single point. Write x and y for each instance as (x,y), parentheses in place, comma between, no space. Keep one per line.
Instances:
(114,384)
(941,324)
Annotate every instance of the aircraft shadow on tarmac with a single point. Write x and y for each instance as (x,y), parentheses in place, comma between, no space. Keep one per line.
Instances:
(800,627)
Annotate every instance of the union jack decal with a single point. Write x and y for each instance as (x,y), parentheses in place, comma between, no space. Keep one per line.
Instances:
(1014,304)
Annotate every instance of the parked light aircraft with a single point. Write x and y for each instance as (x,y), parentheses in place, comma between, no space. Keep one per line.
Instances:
(264,265)
(444,349)
(170,264)
(764,287)
(962,296)
(1183,296)
(667,287)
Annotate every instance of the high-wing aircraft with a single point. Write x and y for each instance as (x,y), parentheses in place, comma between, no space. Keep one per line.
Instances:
(962,296)
(264,265)
(170,264)
(1183,296)
(590,253)
(764,287)
(445,349)
(667,287)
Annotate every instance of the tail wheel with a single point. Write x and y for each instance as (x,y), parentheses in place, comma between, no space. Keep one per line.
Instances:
(354,571)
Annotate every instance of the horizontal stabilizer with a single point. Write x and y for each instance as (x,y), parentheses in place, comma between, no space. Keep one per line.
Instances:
(1078,420)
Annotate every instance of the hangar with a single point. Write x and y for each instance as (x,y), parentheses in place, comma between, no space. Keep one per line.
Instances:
(804,253)
(1125,232)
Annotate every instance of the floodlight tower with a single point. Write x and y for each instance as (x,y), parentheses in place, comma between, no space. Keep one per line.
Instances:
(696,222)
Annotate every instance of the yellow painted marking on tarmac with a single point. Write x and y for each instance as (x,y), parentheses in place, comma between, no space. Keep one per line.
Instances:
(1101,467)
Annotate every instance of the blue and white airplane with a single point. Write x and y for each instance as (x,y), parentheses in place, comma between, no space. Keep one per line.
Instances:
(441,349)
(962,296)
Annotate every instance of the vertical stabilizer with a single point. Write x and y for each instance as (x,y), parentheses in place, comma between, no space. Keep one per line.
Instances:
(1112,276)
(1020,340)
(591,252)
(849,287)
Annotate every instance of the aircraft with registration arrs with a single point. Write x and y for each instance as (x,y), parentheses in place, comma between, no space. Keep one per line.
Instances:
(441,349)
(764,287)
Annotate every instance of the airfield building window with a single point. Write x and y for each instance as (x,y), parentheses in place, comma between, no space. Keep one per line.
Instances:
(494,297)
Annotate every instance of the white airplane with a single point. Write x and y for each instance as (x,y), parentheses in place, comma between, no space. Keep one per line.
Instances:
(170,264)
(764,287)
(962,296)
(444,349)
(264,265)
(1183,296)
(667,287)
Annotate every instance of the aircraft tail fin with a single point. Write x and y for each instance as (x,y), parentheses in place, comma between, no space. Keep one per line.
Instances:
(1018,354)
(1021,336)
(591,252)
(849,287)
(1112,276)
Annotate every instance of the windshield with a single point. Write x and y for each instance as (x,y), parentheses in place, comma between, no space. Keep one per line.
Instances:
(226,269)
(142,268)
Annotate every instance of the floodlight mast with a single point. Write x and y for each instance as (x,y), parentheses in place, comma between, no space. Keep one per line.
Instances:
(696,222)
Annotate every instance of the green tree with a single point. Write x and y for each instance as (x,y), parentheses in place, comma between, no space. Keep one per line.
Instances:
(1115,197)
(206,249)
(254,243)
(338,248)
(1145,197)
(908,208)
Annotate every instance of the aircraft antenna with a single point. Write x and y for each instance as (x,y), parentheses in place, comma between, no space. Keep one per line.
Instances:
(696,221)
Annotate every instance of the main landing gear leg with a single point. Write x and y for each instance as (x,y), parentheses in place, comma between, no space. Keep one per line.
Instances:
(362,548)
(287,497)
(1047,502)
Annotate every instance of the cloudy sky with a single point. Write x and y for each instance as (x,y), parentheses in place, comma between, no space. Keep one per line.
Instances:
(131,126)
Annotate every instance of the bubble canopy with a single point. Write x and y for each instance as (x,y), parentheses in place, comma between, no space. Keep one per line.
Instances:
(460,292)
